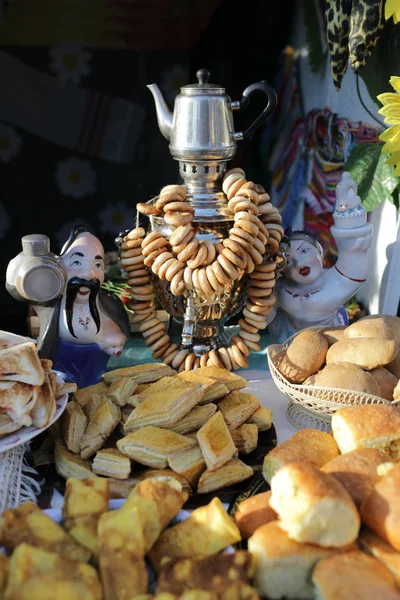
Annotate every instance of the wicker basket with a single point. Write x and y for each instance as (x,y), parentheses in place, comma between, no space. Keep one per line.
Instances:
(317,402)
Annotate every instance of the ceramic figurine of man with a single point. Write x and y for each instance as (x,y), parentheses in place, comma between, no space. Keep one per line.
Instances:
(308,295)
(85,324)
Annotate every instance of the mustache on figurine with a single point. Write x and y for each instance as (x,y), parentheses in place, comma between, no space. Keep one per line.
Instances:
(73,286)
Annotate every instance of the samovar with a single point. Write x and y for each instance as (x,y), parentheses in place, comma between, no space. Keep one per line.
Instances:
(203,140)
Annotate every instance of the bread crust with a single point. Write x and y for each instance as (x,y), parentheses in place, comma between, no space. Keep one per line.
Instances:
(367,353)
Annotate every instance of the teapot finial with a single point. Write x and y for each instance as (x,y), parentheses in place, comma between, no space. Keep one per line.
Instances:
(203,75)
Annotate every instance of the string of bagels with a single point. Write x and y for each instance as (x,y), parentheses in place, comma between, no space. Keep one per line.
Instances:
(205,268)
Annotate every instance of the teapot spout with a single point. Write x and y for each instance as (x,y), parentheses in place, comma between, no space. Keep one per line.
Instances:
(164,115)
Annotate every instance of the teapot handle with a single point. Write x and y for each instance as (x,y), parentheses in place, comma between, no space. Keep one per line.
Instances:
(261,86)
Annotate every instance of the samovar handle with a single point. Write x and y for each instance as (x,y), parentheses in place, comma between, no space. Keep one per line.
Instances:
(260,86)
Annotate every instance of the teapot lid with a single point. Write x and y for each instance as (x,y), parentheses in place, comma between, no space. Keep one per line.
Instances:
(203,75)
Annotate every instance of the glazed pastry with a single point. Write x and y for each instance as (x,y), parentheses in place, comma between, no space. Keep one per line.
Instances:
(109,462)
(230,473)
(120,390)
(237,407)
(83,395)
(101,424)
(121,489)
(245,438)
(165,383)
(189,463)
(212,388)
(146,373)
(196,418)
(262,417)
(69,464)
(73,426)
(230,380)
(216,442)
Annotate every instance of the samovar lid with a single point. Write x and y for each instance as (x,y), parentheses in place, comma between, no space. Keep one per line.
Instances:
(203,75)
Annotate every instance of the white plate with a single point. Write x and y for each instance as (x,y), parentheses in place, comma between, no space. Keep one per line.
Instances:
(24,434)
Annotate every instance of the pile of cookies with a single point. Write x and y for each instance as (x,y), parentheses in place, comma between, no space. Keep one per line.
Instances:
(191,425)
(363,357)
(98,554)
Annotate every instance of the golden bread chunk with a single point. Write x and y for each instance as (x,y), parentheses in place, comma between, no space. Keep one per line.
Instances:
(27,523)
(373,544)
(196,418)
(164,409)
(36,574)
(304,357)
(21,363)
(146,373)
(121,390)
(44,400)
(367,353)
(214,573)
(151,446)
(110,462)
(121,554)
(230,473)
(17,401)
(47,364)
(4,564)
(213,389)
(313,506)
(73,426)
(254,512)
(231,380)
(237,407)
(368,426)
(216,442)
(318,447)
(101,425)
(83,395)
(69,464)
(189,463)
(357,471)
(262,417)
(208,530)
(352,575)
(84,501)
(158,500)
(345,376)
(385,327)
(163,384)
(245,438)
(122,489)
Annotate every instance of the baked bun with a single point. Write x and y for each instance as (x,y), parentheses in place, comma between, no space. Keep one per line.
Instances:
(381,510)
(367,353)
(357,471)
(283,566)
(375,545)
(353,576)
(254,512)
(305,356)
(345,376)
(385,327)
(368,426)
(333,334)
(313,506)
(386,380)
(312,445)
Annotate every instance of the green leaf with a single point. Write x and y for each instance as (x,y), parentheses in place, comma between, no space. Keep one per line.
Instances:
(375,179)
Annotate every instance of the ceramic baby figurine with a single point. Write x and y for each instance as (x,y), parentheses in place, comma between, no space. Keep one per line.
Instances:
(308,295)
(84,324)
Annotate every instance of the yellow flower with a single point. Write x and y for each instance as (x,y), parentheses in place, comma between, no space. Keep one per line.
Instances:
(391,112)
(392,8)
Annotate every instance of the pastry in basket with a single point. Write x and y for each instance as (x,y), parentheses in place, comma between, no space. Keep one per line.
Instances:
(189,463)
(231,380)
(385,327)
(208,530)
(254,512)
(231,472)
(21,363)
(44,403)
(17,401)
(110,462)
(4,564)
(216,442)
(163,409)
(121,390)
(237,407)
(312,445)
(196,418)
(367,353)
(73,426)
(83,395)
(122,489)
(27,523)
(381,510)
(313,506)
(304,357)
(357,471)
(163,384)
(146,373)
(284,566)
(345,376)
(158,500)
(368,426)
(245,438)
(262,417)
(36,574)
(101,424)
(333,334)
(85,501)
(151,446)
(214,573)
(353,575)
(375,545)
(121,554)
(387,382)
(212,388)
(69,464)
